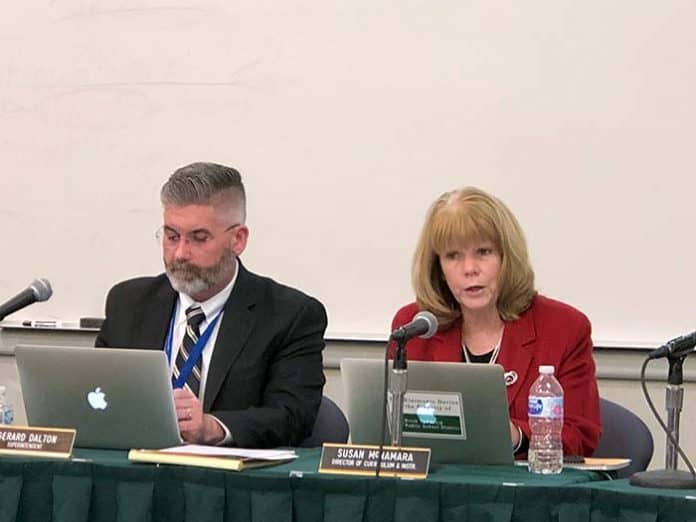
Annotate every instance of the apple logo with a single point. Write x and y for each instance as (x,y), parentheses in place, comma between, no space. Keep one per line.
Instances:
(426,414)
(96,399)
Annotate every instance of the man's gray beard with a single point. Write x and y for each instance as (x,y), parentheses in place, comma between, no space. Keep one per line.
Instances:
(192,280)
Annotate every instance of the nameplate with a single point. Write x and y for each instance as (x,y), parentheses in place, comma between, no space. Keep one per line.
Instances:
(352,459)
(36,442)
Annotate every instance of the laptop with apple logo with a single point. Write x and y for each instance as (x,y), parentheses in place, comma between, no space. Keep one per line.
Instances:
(459,411)
(114,398)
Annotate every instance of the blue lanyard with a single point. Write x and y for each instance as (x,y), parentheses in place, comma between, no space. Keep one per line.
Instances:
(195,353)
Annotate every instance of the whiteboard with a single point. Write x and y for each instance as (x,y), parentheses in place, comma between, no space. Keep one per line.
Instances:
(347,119)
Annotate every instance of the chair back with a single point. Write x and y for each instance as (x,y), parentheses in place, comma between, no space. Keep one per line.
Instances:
(331,425)
(624,435)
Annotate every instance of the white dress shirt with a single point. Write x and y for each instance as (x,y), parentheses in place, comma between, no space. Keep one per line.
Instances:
(211,307)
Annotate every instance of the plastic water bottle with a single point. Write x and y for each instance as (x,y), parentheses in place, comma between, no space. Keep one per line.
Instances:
(6,410)
(545,412)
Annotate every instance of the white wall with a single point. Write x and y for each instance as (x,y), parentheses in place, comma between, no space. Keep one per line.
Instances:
(347,119)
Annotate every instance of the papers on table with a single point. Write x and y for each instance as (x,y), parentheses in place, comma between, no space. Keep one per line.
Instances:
(240,453)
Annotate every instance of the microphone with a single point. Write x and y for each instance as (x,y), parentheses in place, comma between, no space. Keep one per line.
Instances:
(39,290)
(423,324)
(677,347)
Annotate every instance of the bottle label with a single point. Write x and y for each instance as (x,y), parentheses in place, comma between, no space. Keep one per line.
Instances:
(545,407)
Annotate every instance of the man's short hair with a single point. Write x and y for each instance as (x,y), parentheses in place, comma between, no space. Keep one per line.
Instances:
(201,183)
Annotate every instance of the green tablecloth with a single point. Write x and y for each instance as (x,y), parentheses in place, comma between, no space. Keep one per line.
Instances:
(104,486)
(618,500)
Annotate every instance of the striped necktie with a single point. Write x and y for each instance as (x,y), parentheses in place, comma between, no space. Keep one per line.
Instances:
(194,317)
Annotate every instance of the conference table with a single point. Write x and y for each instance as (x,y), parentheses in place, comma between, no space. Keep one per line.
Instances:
(102,485)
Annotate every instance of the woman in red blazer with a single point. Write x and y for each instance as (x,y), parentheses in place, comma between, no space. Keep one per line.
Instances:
(471,269)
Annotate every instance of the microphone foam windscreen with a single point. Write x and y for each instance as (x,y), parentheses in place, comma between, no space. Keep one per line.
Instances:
(42,289)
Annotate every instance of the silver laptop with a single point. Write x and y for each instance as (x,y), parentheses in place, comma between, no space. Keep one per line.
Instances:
(458,410)
(114,398)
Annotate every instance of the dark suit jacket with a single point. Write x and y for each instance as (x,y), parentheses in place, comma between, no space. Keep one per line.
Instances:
(265,379)
(548,332)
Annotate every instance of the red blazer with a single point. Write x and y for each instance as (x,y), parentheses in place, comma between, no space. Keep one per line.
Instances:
(549,332)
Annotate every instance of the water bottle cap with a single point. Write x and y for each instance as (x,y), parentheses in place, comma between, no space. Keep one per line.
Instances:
(546,369)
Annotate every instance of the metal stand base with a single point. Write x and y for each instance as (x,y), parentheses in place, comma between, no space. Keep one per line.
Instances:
(664,478)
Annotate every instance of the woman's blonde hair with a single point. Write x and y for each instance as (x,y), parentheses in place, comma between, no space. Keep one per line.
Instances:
(455,219)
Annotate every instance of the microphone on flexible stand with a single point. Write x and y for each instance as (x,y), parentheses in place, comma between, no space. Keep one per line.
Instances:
(424,325)
(676,351)
(38,290)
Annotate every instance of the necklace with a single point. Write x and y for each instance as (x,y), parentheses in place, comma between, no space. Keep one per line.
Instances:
(494,354)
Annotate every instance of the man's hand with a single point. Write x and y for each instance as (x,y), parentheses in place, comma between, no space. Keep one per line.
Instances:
(195,426)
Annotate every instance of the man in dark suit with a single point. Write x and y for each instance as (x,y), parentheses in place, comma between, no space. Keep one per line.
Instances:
(245,351)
